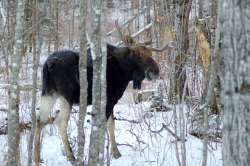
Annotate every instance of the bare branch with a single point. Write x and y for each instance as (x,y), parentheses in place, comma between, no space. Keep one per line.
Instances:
(127,120)
(127,22)
(23,87)
(3,110)
(23,126)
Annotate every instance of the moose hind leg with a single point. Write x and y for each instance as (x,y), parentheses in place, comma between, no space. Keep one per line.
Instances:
(111,129)
(46,105)
(62,123)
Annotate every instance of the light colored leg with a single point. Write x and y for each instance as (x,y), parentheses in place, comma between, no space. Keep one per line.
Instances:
(111,129)
(62,123)
(46,106)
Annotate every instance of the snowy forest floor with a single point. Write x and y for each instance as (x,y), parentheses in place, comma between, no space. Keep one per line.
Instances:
(139,136)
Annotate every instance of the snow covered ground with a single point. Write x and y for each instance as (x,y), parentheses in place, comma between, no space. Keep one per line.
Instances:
(140,141)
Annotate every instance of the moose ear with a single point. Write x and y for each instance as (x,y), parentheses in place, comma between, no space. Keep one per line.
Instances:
(138,76)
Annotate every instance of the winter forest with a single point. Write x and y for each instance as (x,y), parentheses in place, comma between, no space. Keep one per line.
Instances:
(124,82)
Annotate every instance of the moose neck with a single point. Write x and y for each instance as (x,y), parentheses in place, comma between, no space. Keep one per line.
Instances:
(126,67)
(131,71)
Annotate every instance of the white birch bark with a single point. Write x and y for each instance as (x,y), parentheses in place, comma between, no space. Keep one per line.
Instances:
(98,111)
(13,113)
(234,19)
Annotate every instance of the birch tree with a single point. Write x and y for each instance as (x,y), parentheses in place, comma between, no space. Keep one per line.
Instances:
(37,41)
(34,81)
(235,80)
(13,113)
(83,81)
(98,119)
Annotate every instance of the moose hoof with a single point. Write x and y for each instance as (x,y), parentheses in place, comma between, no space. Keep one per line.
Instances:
(117,154)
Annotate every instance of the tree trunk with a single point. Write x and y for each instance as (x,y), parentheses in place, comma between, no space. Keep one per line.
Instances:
(83,81)
(13,113)
(235,80)
(56,17)
(181,25)
(98,111)
(72,27)
(37,46)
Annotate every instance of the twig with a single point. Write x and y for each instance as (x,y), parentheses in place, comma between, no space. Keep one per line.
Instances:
(127,120)
(126,144)
(164,126)
(22,87)
(3,110)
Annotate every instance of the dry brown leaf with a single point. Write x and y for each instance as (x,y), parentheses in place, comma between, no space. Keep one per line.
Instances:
(204,49)
(160,19)
(169,34)
(181,59)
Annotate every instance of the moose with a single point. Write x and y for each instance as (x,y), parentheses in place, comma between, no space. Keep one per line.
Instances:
(60,80)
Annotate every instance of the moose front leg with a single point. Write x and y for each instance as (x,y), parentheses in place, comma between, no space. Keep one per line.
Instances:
(111,129)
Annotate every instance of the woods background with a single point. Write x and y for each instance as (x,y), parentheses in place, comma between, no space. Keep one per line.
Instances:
(204,80)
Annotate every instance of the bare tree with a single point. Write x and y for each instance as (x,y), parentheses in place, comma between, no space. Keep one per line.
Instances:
(181,24)
(98,119)
(83,81)
(37,41)
(235,80)
(13,113)
(180,87)
(34,77)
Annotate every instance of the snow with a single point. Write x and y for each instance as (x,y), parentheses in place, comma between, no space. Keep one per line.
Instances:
(136,141)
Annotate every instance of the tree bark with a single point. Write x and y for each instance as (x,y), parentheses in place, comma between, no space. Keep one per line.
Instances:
(83,82)
(98,111)
(37,46)
(13,113)
(235,80)
(181,25)
(56,17)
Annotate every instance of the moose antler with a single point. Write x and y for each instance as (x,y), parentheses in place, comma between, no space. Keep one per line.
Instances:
(147,42)
(126,40)
(129,40)
(168,45)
